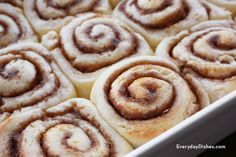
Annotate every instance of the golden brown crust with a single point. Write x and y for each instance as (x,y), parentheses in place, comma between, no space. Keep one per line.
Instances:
(144,96)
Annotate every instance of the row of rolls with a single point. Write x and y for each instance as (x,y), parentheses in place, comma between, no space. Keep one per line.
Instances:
(153,19)
(101,78)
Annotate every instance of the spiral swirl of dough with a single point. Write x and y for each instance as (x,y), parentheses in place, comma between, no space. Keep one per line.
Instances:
(157,19)
(73,128)
(207,52)
(144,96)
(93,42)
(48,15)
(13,26)
(29,77)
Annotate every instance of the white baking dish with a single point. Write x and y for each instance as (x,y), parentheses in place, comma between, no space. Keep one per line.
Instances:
(207,126)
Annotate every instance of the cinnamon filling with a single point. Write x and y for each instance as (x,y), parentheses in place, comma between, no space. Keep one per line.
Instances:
(15,139)
(108,48)
(223,41)
(38,81)
(151,96)
(141,98)
(111,45)
(65,7)
(4,27)
(217,43)
(172,19)
(161,7)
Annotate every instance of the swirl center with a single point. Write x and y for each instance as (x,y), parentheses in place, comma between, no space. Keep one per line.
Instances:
(71,136)
(141,95)
(16,77)
(79,139)
(99,37)
(153,4)
(225,40)
(155,14)
(143,89)
(216,46)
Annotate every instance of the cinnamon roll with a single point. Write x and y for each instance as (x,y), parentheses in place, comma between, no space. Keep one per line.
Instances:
(206,54)
(144,96)
(13,26)
(91,43)
(227,4)
(30,78)
(48,15)
(73,128)
(157,19)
